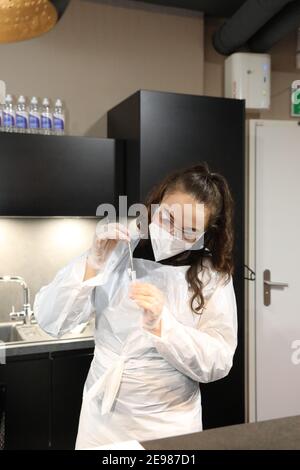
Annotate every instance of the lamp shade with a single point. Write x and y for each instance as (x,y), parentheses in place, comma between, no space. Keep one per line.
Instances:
(25,19)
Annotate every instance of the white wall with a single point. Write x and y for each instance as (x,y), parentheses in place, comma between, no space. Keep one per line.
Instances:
(36,249)
(98,54)
(101,52)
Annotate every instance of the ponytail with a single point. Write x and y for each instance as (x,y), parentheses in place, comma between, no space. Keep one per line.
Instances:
(220,236)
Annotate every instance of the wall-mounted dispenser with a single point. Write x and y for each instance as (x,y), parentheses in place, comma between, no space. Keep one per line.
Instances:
(248,77)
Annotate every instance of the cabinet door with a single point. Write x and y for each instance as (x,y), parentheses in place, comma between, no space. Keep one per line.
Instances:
(169,131)
(2,414)
(58,175)
(25,404)
(69,371)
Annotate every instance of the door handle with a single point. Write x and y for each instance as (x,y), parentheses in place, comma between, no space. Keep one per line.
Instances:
(268,284)
(276,284)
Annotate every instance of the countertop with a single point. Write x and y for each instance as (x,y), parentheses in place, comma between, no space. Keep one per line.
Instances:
(24,349)
(276,434)
(31,339)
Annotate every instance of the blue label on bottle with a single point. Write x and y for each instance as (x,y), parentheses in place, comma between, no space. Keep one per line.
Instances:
(34,122)
(21,121)
(58,124)
(8,120)
(46,122)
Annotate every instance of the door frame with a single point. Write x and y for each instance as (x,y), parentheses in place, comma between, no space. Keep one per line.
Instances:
(250,258)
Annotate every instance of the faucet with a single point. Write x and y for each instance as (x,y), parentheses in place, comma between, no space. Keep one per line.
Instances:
(26,312)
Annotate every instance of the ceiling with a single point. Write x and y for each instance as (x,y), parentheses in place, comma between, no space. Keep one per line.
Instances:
(221,8)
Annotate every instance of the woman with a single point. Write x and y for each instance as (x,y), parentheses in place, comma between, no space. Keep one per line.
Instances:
(158,337)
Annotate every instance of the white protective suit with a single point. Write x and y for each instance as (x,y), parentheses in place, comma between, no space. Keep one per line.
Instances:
(142,386)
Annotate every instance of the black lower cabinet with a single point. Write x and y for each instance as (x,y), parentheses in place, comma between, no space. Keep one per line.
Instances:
(40,400)
(68,374)
(25,411)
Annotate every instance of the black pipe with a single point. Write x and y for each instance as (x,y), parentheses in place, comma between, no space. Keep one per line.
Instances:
(283,23)
(248,19)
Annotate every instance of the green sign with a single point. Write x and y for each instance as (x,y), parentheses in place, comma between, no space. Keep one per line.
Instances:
(295,99)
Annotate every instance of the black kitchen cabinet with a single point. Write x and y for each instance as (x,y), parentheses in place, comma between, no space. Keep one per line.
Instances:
(58,175)
(167,131)
(40,399)
(25,390)
(69,371)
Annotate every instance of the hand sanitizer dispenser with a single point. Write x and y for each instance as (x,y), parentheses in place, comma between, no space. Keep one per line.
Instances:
(248,77)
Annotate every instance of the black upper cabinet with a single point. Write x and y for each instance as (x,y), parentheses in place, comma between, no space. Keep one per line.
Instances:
(58,175)
(168,131)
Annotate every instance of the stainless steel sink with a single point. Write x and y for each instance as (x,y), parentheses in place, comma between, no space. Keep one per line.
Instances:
(32,333)
(9,332)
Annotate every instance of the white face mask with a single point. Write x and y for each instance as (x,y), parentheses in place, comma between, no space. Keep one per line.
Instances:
(165,244)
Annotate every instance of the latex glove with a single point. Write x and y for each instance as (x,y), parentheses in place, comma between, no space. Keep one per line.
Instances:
(104,242)
(151,299)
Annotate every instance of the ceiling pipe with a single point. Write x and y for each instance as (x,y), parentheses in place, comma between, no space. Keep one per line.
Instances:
(283,23)
(60,6)
(247,20)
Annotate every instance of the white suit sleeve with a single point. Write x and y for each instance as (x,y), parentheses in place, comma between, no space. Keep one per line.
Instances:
(204,353)
(68,300)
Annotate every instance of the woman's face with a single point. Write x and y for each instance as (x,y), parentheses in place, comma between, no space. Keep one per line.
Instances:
(186,217)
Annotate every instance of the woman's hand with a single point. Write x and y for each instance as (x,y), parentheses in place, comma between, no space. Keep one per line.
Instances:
(105,240)
(151,299)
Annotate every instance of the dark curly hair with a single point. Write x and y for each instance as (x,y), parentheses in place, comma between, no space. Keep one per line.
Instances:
(211,189)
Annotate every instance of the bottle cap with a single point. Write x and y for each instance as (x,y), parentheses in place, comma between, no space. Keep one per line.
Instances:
(45,102)
(58,102)
(8,99)
(34,100)
(21,99)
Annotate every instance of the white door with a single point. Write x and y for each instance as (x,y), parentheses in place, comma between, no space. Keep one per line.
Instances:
(274,233)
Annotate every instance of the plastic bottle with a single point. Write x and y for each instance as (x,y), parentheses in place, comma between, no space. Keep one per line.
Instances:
(46,118)
(9,116)
(1,117)
(21,115)
(2,100)
(59,118)
(34,116)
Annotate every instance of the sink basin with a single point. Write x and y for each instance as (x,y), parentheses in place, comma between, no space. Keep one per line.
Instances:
(33,333)
(18,332)
(9,332)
